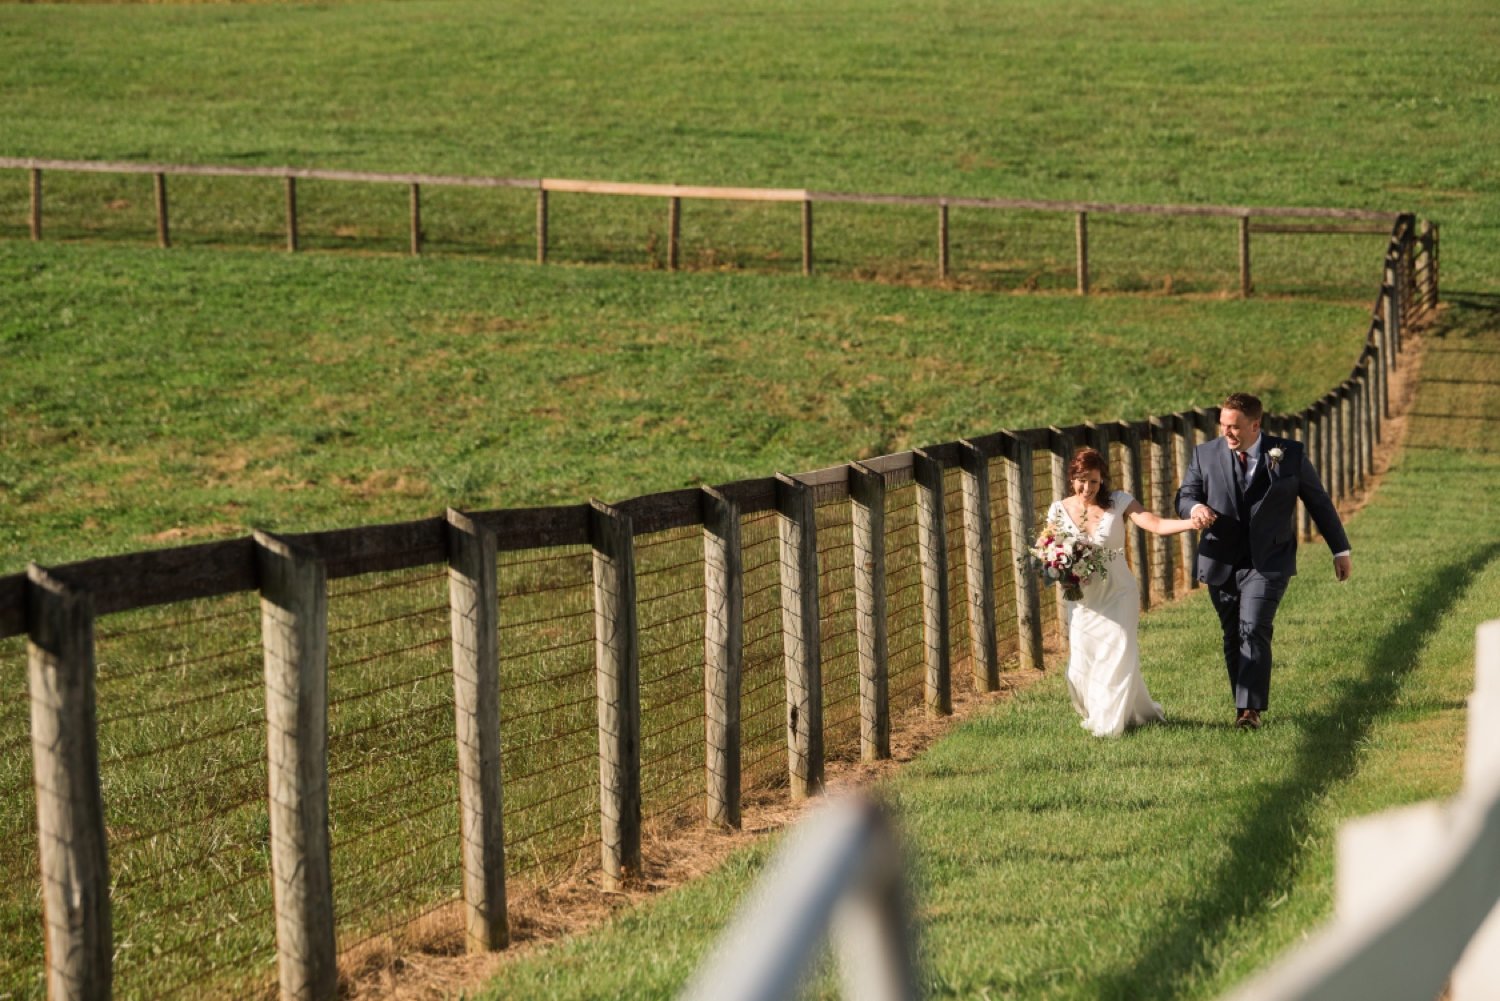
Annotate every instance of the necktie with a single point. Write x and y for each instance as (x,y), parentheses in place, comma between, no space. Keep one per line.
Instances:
(1244,463)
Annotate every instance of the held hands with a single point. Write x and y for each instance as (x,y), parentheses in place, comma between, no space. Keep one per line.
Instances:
(1342,567)
(1204,516)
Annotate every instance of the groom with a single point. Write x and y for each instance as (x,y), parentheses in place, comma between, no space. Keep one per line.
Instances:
(1241,492)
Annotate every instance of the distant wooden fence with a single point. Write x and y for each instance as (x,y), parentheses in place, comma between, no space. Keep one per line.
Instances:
(675,193)
(839,522)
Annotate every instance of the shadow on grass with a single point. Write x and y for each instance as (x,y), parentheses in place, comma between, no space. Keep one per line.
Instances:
(1263,855)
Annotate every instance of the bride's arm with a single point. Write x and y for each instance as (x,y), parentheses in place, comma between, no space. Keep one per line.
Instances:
(1155,524)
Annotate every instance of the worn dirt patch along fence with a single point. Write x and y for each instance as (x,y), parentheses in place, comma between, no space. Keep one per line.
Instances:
(1334,221)
(433,721)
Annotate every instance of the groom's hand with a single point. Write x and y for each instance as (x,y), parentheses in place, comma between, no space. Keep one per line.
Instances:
(1202,517)
(1342,567)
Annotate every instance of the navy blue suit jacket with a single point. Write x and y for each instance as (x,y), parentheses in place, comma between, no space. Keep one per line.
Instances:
(1269,506)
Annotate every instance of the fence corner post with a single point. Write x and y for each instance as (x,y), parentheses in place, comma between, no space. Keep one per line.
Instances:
(979,564)
(473,598)
(797,525)
(72,842)
(617,660)
(723,654)
(294,634)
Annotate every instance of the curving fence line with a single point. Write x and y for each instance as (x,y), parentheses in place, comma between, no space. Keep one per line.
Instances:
(1340,220)
(264,764)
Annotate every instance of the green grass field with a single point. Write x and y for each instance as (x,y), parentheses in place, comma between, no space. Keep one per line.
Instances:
(151,399)
(1369,103)
(1175,861)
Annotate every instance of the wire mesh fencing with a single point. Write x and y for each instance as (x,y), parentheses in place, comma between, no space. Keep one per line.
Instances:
(837,629)
(21,939)
(182,768)
(763,680)
(548,716)
(392,765)
(670,606)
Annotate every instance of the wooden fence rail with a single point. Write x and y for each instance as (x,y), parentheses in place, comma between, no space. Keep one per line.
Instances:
(56,608)
(675,193)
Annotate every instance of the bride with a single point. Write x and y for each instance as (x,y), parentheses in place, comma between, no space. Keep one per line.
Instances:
(1104,669)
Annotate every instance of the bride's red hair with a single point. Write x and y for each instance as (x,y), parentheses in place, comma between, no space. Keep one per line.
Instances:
(1086,460)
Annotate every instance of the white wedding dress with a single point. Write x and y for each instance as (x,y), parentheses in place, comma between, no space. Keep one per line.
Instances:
(1104,668)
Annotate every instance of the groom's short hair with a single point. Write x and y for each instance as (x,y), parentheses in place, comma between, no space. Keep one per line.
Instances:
(1245,404)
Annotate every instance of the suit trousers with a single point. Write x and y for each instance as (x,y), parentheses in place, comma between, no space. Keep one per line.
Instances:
(1247,604)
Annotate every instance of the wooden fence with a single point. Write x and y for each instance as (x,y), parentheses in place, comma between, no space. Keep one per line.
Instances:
(1340,220)
(858,590)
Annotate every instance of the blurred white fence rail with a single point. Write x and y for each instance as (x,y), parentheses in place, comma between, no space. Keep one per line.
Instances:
(1413,887)
(840,872)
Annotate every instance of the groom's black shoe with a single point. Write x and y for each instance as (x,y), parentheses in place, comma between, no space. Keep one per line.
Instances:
(1249,719)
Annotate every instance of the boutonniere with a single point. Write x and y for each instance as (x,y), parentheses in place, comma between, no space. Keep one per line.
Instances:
(1274,456)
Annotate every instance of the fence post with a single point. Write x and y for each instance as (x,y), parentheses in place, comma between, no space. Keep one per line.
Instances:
(1320,452)
(1060,445)
(1133,483)
(36,204)
(1375,368)
(943,259)
(1082,240)
(1337,427)
(1020,509)
(867,496)
(618,661)
(723,653)
(72,842)
(473,600)
(1162,576)
(979,564)
(1182,444)
(1434,269)
(1392,316)
(541,225)
(1356,414)
(1299,433)
(291,215)
(807,237)
(932,543)
(1370,420)
(294,633)
(674,233)
(1347,443)
(163,231)
(801,634)
(1245,284)
(416,219)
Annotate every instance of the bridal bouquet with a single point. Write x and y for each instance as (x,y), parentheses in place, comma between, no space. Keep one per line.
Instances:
(1063,556)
